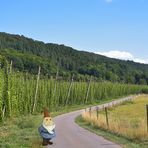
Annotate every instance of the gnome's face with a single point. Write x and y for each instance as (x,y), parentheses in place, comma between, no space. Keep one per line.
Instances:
(47,121)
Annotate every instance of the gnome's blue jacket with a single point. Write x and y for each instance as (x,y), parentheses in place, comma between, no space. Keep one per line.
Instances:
(45,134)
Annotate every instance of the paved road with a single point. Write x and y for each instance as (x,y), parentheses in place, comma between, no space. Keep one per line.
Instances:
(70,135)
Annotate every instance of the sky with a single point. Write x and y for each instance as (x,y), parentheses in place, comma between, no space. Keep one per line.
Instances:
(114,28)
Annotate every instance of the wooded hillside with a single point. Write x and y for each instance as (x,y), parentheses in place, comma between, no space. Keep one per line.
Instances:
(27,54)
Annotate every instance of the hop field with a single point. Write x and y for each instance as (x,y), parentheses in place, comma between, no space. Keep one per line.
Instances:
(23,93)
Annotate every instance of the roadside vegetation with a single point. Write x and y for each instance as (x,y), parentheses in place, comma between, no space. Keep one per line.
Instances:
(127,121)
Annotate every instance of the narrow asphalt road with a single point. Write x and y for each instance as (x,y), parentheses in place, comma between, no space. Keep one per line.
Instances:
(70,135)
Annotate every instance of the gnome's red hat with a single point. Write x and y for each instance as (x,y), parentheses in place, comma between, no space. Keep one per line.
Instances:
(46,113)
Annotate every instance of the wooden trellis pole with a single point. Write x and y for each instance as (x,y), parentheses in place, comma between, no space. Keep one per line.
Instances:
(69,90)
(88,90)
(36,91)
(55,89)
(10,71)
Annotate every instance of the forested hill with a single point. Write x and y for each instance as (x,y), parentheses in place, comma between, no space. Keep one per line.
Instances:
(27,54)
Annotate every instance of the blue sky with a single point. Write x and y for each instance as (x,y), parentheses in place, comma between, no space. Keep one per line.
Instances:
(115,28)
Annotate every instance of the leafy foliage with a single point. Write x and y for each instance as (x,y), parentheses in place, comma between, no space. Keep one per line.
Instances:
(20,92)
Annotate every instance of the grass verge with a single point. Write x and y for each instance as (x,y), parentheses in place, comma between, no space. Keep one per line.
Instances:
(123,141)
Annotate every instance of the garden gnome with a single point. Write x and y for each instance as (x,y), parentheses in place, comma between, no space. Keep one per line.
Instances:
(47,129)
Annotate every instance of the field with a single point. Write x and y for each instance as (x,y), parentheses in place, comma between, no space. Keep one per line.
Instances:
(127,120)
(23,93)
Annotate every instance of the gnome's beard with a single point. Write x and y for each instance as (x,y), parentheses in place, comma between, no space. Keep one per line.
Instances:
(49,128)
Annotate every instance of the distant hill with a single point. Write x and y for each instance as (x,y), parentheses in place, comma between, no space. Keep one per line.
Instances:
(27,54)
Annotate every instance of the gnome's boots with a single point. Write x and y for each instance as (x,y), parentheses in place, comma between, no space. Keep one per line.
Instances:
(45,142)
(50,142)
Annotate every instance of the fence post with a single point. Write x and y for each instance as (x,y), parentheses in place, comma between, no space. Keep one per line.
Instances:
(147,116)
(106,113)
(90,111)
(97,111)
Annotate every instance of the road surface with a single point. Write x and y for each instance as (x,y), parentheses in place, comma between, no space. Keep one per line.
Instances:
(71,135)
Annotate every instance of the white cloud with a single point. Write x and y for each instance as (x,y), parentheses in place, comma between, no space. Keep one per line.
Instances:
(117,54)
(123,55)
(145,61)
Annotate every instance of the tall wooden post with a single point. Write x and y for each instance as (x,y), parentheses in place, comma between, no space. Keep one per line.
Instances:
(88,90)
(55,83)
(55,90)
(70,86)
(11,67)
(6,102)
(36,92)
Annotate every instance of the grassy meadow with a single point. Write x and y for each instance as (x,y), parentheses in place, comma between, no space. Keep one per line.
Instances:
(127,120)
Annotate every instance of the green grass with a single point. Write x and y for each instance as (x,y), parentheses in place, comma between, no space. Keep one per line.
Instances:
(22,132)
